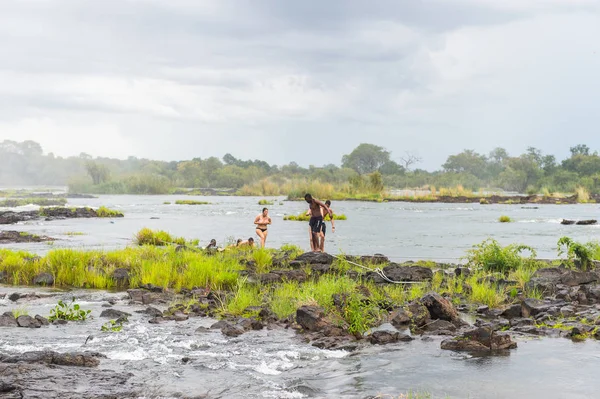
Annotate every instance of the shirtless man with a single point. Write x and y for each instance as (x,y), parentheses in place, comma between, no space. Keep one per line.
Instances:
(316,218)
(261,222)
(249,243)
(324,227)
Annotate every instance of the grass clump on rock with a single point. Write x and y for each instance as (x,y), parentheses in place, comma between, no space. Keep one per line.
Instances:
(265,202)
(104,212)
(191,202)
(305,218)
(147,236)
(504,219)
(14,202)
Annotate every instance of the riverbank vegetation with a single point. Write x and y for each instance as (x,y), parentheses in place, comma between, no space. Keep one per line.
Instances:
(531,172)
(497,276)
(191,202)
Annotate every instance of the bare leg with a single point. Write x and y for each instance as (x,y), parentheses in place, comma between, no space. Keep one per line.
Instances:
(263,237)
(264,240)
(310,239)
(322,236)
(315,242)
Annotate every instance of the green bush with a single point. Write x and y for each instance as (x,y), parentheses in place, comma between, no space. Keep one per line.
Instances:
(584,253)
(491,256)
(504,219)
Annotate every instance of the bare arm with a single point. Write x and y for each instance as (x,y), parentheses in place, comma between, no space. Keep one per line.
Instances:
(331,216)
(257,219)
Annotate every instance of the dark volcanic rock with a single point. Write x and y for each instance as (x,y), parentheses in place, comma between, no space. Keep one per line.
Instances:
(232,330)
(11,217)
(76,359)
(419,314)
(400,318)
(114,314)
(512,311)
(479,340)
(548,279)
(42,320)
(8,321)
(269,278)
(15,296)
(121,277)
(440,327)
(43,279)
(291,275)
(439,307)
(532,307)
(396,272)
(312,258)
(153,312)
(387,337)
(311,318)
(28,322)
(11,236)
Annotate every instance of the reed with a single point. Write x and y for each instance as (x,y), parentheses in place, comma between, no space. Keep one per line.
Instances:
(583,195)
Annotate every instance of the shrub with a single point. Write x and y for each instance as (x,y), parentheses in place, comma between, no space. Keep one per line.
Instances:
(584,253)
(491,256)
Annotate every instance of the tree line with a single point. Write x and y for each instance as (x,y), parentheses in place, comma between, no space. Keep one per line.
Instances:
(24,163)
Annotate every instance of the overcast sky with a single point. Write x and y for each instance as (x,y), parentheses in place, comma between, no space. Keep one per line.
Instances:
(303,81)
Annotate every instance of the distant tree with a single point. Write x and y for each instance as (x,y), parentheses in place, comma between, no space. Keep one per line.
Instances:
(467,161)
(580,149)
(98,172)
(366,158)
(230,159)
(409,159)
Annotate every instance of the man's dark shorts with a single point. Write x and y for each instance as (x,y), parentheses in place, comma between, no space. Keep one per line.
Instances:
(315,224)
(323,228)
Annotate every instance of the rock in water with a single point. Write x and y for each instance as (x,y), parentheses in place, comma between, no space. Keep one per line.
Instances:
(114,314)
(482,339)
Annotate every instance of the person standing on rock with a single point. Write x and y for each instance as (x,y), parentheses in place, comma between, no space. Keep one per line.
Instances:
(324,227)
(261,222)
(316,219)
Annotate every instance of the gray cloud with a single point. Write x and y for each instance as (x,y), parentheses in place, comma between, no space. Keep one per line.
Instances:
(176,79)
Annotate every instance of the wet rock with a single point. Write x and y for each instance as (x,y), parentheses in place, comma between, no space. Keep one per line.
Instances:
(397,272)
(152,312)
(152,288)
(114,314)
(440,326)
(311,318)
(8,321)
(11,217)
(42,320)
(387,337)
(11,236)
(179,316)
(142,296)
(59,322)
(267,315)
(400,318)
(28,322)
(483,309)
(202,330)
(218,325)
(337,343)
(521,322)
(531,307)
(567,311)
(548,279)
(75,359)
(512,311)
(232,330)
(480,339)
(439,307)
(250,324)
(121,277)
(15,296)
(157,320)
(312,258)
(419,314)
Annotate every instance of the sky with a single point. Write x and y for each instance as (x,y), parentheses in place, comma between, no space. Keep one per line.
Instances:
(304,81)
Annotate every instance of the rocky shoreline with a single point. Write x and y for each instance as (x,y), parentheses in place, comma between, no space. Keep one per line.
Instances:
(12,237)
(49,214)
(569,308)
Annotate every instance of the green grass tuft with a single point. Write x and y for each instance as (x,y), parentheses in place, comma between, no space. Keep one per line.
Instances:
(191,202)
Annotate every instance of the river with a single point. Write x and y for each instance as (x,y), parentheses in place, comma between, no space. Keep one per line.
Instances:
(400,230)
(277,363)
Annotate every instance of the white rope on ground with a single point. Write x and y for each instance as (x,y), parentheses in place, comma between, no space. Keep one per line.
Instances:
(378,271)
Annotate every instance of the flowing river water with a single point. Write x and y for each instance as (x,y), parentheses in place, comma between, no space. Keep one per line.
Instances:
(278,363)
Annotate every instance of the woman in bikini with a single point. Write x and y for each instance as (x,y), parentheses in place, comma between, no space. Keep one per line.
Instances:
(261,222)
